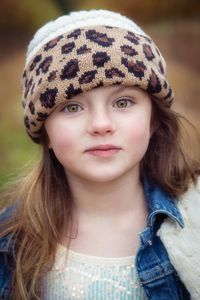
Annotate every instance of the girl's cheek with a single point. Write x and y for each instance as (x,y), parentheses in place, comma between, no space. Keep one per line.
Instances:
(64,140)
(139,139)
(60,135)
(139,130)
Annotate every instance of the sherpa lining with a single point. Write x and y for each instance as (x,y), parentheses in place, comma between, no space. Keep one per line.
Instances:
(183,244)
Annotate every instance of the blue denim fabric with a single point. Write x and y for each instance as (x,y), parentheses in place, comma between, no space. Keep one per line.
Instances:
(156,274)
(6,259)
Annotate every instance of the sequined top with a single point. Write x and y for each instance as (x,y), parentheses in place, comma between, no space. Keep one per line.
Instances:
(77,276)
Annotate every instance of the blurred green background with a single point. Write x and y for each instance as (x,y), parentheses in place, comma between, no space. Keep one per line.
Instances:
(173,24)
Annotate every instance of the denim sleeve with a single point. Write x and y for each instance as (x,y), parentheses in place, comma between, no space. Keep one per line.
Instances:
(5,277)
(6,266)
(7,212)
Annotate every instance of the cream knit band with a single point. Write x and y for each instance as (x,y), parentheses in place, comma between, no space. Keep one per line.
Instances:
(91,54)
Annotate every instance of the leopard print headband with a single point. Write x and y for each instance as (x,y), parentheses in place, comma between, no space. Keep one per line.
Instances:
(84,58)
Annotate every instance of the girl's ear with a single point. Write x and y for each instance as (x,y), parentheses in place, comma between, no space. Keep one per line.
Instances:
(154,125)
(49,144)
(46,139)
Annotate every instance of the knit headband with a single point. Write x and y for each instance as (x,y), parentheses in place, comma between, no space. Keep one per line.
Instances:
(85,50)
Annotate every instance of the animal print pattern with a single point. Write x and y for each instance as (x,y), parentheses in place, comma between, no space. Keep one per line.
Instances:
(86,58)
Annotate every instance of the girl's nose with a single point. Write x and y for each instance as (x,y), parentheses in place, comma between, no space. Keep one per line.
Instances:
(101,124)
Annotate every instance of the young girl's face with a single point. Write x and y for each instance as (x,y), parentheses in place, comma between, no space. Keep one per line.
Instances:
(102,134)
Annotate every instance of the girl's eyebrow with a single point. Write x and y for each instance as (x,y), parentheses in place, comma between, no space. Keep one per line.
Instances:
(120,89)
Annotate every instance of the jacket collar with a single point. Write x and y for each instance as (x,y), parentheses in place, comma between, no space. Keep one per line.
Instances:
(159,202)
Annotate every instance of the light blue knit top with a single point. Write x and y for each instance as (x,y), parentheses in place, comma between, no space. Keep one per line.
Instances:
(76,276)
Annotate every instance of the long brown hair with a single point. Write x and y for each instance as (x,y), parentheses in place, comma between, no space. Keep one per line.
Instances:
(43,206)
(168,161)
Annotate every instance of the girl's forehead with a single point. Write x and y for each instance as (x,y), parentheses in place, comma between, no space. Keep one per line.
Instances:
(112,90)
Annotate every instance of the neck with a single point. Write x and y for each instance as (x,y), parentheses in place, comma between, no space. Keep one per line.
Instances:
(107,199)
(106,213)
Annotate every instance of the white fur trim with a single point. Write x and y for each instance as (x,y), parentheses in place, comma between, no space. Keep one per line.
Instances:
(76,20)
(183,244)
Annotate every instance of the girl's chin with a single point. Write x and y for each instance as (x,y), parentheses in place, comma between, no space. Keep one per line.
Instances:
(101,178)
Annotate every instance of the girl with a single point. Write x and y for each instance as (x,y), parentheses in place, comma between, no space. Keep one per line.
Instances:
(110,211)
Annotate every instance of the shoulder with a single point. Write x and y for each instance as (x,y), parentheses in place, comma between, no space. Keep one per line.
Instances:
(189,205)
(6,262)
(6,213)
(6,240)
(183,244)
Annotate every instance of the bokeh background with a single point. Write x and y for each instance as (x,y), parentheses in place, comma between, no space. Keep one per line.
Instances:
(173,24)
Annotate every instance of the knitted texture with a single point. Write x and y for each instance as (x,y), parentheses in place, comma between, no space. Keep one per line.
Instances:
(84,58)
(76,20)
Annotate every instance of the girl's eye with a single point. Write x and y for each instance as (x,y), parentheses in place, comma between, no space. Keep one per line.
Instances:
(72,108)
(123,103)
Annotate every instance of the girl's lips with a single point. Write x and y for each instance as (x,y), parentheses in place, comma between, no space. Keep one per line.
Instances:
(103,150)
(103,147)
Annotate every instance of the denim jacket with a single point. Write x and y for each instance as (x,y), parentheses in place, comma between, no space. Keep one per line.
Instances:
(156,274)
